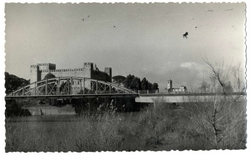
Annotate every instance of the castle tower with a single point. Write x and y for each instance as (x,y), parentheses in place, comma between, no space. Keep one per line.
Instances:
(88,69)
(108,70)
(88,65)
(46,66)
(35,74)
(170,85)
(36,70)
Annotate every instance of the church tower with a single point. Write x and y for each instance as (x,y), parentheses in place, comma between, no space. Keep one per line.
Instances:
(170,85)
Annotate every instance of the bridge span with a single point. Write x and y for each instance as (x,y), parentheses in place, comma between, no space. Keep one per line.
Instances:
(82,87)
(70,87)
(183,97)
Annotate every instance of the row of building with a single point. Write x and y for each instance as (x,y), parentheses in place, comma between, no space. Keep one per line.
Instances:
(39,71)
(170,89)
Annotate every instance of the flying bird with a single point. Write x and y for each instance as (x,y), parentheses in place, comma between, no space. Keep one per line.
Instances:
(185,35)
(83,19)
(210,10)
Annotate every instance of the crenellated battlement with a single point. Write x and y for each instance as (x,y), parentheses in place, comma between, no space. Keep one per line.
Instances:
(89,70)
(33,66)
(63,70)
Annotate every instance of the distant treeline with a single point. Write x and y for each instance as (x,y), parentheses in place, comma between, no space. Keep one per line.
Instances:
(135,83)
(13,82)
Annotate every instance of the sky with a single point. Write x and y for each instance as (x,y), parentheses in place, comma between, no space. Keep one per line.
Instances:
(145,40)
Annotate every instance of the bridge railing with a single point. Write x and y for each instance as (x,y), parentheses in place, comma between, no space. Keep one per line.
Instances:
(157,92)
(147,91)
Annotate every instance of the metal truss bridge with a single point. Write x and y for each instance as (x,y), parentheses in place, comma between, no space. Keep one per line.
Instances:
(70,87)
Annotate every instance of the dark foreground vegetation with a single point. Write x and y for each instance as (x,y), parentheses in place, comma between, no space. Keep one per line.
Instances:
(161,126)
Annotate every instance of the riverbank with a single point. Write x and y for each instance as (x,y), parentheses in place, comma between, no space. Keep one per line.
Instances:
(69,106)
(158,127)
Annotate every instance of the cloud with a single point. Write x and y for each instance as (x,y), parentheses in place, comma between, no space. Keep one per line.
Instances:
(199,67)
(189,64)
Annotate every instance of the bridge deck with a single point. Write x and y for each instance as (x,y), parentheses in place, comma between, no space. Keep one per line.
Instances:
(187,97)
(191,94)
(119,95)
(148,98)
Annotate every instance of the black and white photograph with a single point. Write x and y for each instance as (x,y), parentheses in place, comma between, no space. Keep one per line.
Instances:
(88,77)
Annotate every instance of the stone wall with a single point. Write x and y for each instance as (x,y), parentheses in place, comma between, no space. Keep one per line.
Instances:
(39,71)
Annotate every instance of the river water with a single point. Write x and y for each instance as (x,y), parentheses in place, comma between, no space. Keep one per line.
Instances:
(66,118)
(43,118)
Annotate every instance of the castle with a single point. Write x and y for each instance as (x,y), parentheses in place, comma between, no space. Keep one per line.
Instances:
(39,71)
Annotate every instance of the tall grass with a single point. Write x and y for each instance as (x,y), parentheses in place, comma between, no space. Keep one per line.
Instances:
(161,126)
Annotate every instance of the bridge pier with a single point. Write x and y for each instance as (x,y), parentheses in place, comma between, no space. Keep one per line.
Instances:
(89,105)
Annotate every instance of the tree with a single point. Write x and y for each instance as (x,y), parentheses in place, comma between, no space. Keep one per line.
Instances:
(135,84)
(118,79)
(228,87)
(219,74)
(204,87)
(155,86)
(150,86)
(144,84)
(128,80)
(13,82)
(227,116)
(239,81)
